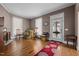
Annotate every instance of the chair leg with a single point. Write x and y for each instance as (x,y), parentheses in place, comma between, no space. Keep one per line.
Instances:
(67,42)
(74,44)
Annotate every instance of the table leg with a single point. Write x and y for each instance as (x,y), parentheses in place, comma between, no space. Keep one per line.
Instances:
(67,42)
(74,43)
(19,37)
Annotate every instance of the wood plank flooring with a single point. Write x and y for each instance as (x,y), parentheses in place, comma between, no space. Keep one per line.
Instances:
(30,47)
(23,47)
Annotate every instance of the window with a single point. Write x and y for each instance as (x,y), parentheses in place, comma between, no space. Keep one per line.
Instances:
(17,25)
(38,25)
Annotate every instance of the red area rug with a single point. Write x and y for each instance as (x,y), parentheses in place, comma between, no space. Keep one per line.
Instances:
(49,49)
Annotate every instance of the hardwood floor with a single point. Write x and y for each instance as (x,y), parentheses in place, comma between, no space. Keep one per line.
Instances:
(23,47)
(30,47)
(64,50)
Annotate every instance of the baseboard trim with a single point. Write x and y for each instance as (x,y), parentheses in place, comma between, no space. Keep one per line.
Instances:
(8,42)
(63,42)
(77,48)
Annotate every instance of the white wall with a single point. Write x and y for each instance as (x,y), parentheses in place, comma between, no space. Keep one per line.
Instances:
(78,33)
(7,18)
(77,23)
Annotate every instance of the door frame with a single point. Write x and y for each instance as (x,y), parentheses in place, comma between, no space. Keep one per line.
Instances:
(52,17)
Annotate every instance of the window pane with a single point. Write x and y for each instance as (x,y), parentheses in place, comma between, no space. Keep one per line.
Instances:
(38,25)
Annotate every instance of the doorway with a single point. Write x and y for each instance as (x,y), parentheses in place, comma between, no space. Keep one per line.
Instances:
(57,27)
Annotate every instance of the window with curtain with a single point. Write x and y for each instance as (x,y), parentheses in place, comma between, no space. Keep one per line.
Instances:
(17,27)
(38,26)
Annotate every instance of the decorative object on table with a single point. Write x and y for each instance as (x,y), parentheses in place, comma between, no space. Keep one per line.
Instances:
(49,50)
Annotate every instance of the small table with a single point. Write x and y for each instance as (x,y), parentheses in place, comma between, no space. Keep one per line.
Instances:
(43,37)
(72,38)
(19,36)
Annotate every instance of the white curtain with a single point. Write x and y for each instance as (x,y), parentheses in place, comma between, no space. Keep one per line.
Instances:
(38,26)
(17,25)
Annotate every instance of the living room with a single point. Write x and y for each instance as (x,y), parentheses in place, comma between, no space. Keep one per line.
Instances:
(36,24)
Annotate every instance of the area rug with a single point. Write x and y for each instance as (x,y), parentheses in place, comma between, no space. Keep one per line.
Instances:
(49,49)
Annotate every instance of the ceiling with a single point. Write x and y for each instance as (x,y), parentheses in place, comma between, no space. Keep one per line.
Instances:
(32,10)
